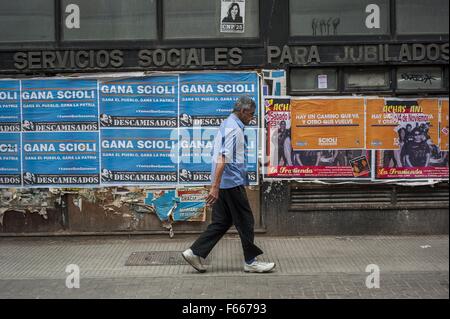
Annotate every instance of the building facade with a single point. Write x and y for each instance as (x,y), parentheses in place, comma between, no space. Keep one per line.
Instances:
(387,48)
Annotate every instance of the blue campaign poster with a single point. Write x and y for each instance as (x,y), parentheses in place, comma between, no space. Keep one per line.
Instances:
(195,155)
(10,160)
(63,159)
(85,132)
(196,150)
(163,201)
(186,204)
(252,135)
(59,105)
(150,102)
(9,106)
(208,99)
(139,156)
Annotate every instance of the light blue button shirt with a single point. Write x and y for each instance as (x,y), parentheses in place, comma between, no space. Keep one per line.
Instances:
(232,143)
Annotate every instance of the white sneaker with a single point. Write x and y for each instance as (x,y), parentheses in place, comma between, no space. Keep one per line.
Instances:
(193,260)
(259,266)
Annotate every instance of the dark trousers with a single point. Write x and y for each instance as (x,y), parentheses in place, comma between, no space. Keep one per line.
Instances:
(232,208)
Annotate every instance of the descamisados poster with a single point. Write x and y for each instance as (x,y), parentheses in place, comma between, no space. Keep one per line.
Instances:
(10,157)
(9,106)
(139,156)
(206,100)
(69,130)
(59,105)
(141,102)
(195,147)
(57,159)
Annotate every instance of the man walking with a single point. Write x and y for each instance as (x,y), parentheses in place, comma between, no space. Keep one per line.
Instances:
(228,195)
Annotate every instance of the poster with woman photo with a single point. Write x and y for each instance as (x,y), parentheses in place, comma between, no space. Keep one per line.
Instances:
(232,17)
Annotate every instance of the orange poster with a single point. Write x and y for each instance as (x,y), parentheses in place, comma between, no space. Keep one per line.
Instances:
(444,126)
(391,122)
(327,124)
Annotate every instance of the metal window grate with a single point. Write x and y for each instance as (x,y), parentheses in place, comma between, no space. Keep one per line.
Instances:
(369,198)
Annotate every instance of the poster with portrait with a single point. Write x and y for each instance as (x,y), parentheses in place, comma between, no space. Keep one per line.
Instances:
(407,134)
(389,119)
(283,162)
(232,17)
(424,162)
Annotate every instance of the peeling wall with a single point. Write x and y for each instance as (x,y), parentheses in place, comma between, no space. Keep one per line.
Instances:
(32,201)
(102,210)
(23,210)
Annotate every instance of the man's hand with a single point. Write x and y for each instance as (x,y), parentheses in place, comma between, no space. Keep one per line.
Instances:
(212,196)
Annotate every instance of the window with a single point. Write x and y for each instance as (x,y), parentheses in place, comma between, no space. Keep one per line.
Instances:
(109,20)
(422,17)
(337,18)
(367,79)
(419,78)
(313,79)
(24,20)
(202,19)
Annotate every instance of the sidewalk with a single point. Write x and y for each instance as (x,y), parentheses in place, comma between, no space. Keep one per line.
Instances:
(307,267)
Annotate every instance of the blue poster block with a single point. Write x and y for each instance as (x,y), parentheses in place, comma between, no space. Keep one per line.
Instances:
(206,100)
(10,160)
(143,102)
(61,159)
(59,105)
(10,106)
(139,156)
(196,147)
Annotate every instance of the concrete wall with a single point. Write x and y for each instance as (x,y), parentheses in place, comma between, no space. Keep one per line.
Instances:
(279,208)
(91,211)
(282,217)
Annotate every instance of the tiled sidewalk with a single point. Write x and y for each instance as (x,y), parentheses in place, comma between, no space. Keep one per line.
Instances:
(307,267)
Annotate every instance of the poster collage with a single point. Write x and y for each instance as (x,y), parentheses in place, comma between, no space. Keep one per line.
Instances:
(356,138)
(128,131)
(158,130)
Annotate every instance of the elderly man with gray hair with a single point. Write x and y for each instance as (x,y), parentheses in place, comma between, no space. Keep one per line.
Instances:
(228,195)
